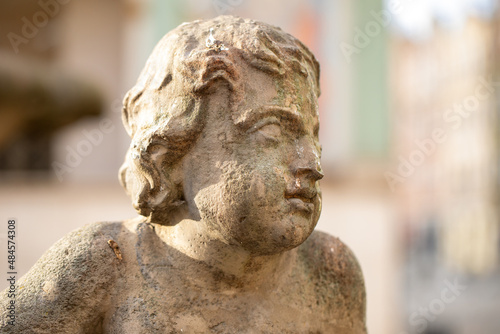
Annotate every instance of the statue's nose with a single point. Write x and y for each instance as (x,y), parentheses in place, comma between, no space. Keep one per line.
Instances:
(307,161)
(315,173)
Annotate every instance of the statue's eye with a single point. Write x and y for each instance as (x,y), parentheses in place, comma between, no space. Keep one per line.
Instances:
(267,129)
(271,131)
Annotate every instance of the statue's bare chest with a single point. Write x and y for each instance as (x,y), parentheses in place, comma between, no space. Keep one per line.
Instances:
(164,302)
(200,312)
(176,294)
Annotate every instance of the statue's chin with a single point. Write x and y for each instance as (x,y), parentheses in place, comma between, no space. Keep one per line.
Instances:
(285,236)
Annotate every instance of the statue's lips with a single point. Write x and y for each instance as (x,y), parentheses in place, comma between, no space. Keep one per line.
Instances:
(301,204)
(302,199)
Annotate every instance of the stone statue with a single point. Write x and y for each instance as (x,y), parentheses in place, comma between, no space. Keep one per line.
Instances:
(223,170)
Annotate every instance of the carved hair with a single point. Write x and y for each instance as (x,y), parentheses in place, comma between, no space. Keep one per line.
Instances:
(165,111)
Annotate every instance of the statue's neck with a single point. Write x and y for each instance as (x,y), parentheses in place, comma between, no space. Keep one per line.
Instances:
(238,265)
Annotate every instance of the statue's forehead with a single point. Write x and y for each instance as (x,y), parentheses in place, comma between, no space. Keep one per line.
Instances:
(291,97)
(301,98)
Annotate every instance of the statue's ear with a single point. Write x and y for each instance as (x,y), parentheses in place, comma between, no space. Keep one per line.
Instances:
(125,115)
(129,111)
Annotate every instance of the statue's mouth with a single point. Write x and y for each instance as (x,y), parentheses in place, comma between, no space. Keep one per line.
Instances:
(299,204)
(302,199)
(306,194)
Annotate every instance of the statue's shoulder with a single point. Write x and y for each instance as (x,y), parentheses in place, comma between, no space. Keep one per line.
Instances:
(82,255)
(67,289)
(336,273)
(90,243)
(330,254)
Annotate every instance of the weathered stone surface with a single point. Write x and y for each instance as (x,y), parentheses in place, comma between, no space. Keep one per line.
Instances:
(223,169)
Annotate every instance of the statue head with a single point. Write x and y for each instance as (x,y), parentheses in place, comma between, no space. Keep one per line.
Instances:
(224,127)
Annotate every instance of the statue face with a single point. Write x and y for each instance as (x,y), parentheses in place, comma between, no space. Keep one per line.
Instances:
(254,183)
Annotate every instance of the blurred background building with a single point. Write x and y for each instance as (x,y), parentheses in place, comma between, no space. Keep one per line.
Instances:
(409,128)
